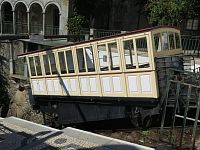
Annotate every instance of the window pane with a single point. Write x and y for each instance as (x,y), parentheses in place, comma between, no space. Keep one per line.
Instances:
(46,65)
(53,63)
(171,41)
(70,63)
(103,58)
(62,62)
(81,60)
(157,42)
(177,38)
(142,52)
(189,24)
(38,65)
(89,59)
(164,41)
(129,54)
(195,24)
(32,67)
(114,56)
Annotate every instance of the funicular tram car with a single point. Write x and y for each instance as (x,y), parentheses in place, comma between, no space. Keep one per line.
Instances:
(106,78)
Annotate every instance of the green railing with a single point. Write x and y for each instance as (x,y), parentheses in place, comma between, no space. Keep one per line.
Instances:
(20,68)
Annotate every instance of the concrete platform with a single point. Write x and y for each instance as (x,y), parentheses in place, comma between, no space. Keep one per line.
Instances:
(20,134)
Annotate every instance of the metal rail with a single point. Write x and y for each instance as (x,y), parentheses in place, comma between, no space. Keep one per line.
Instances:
(176,78)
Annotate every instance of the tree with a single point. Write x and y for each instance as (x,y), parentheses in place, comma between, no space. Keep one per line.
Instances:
(171,12)
(75,23)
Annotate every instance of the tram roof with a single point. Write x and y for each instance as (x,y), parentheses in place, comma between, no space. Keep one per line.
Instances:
(102,38)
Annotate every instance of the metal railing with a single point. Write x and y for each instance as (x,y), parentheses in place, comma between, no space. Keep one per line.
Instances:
(20,67)
(97,33)
(191,44)
(21,28)
(38,29)
(52,30)
(7,27)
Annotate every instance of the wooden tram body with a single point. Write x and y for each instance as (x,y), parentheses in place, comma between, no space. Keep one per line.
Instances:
(104,78)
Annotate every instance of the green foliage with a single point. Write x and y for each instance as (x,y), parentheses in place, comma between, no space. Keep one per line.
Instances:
(146,133)
(172,12)
(76,23)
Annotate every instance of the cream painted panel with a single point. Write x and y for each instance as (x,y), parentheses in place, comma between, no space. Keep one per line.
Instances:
(117,86)
(146,83)
(65,86)
(106,84)
(132,84)
(50,87)
(41,85)
(73,84)
(56,84)
(35,86)
(93,84)
(84,87)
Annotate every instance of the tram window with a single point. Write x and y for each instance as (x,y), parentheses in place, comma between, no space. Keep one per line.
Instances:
(142,52)
(70,63)
(32,67)
(129,54)
(171,40)
(46,64)
(177,39)
(157,42)
(38,66)
(62,62)
(81,60)
(103,61)
(114,56)
(53,63)
(164,41)
(89,59)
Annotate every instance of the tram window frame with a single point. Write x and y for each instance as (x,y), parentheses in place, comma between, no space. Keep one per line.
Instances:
(111,57)
(32,66)
(157,45)
(104,57)
(62,64)
(69,62)
(170,44)
(132,56)
(52,61)
(179,40)
(90,62)
(38,66)
(165,41)
(80,55)
(46,64)
(145,64)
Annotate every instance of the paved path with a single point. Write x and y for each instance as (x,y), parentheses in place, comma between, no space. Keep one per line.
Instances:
(18,134)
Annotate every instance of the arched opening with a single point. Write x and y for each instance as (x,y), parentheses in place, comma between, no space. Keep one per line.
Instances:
(21,18)
(52,20)
(36,18)
(7,18)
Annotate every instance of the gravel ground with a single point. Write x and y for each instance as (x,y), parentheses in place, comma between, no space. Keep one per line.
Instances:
(150,137)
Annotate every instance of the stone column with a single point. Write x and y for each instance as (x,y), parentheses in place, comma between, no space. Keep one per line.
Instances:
(28,21)
(11,58)
(60,25)
(43,27)
(14,27)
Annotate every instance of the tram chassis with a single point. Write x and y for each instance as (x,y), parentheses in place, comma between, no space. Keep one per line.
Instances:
(87,109)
